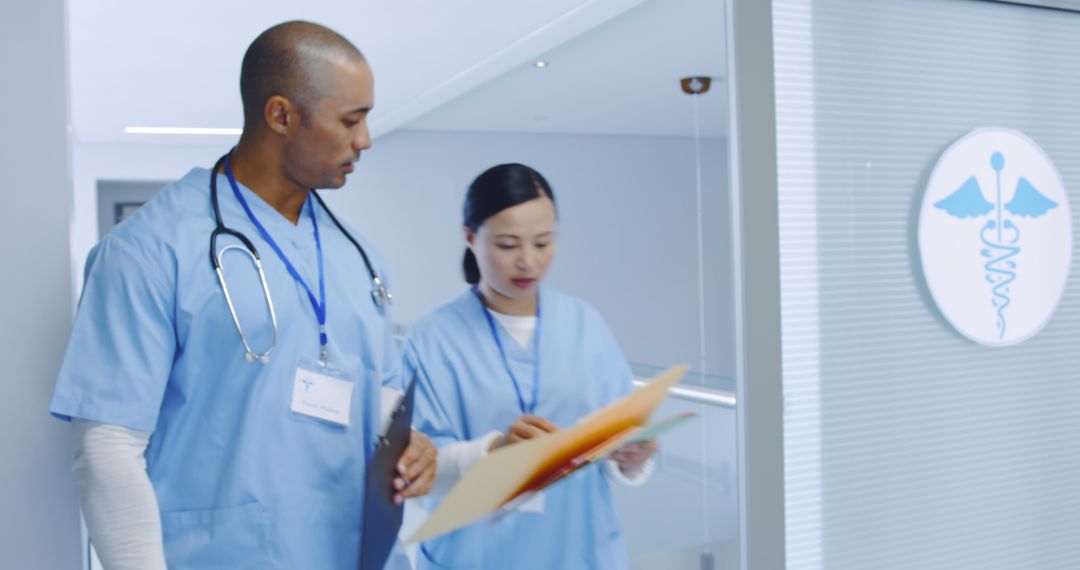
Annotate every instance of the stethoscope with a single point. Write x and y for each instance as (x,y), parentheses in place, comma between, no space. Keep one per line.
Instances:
(380,295)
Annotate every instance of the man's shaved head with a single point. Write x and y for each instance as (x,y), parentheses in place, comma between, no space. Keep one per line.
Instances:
(286,60)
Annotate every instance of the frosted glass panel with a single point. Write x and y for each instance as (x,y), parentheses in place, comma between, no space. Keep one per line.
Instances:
(906,445)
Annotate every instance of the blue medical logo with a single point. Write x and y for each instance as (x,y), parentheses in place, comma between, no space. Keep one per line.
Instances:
(1000,235)
(995,236)
(307,384)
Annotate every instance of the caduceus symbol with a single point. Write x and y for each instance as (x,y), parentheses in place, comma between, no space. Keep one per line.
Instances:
(1000,236)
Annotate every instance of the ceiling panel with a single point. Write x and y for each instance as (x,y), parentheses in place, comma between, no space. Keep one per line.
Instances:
(176,64)
(620,78)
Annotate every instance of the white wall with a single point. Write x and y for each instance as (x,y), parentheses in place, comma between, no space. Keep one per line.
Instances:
(39,519)
(149,162)
(627,223)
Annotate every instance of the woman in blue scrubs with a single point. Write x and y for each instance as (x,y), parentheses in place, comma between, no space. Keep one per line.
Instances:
(509,360)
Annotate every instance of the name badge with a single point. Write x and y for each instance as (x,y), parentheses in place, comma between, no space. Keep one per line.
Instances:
(318,394)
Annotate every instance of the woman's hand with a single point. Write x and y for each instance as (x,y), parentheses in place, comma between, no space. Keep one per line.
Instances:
(632,456)
(525,427)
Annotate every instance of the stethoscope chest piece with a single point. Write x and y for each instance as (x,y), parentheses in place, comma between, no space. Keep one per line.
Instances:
(379,293)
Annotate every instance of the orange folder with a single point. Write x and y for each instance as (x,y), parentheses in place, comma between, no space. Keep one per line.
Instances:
(511,473)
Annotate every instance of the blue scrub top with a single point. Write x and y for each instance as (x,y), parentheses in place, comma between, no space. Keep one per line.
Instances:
(242,482)
(465,391)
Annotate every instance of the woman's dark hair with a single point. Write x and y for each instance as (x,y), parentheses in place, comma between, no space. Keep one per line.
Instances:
(496,189)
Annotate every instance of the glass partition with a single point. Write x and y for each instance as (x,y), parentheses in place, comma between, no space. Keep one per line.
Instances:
(639,169)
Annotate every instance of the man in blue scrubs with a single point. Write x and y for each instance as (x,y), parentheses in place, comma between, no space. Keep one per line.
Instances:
(192,451)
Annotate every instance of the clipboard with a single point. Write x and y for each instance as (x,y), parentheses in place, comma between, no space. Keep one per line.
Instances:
(505,476)
(382,518)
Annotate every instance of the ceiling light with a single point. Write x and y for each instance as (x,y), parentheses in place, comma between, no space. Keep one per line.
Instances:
(540,64)
(181,131)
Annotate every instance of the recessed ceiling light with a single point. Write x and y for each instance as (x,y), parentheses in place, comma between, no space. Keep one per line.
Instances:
(181,131)
(540,64)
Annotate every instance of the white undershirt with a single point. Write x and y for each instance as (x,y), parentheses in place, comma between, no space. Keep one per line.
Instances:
(117,497)
(521,328)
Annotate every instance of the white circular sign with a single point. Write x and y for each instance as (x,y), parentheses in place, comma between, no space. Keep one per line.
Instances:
(995,236)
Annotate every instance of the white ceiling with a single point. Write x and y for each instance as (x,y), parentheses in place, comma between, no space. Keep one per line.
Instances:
(464,64)
(620,78)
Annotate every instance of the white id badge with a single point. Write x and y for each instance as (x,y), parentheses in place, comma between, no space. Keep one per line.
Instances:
(322,392)
(535,504)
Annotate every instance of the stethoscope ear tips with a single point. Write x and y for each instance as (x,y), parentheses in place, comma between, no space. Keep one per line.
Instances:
(249,357)
(264,359)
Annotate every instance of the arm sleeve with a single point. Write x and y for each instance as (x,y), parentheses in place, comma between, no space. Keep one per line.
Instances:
(635,478)
(123,340)
(117,497)
(456,458)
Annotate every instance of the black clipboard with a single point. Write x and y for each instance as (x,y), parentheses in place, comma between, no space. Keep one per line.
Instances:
(382,518)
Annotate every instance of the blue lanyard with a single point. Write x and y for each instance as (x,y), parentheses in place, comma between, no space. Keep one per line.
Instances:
(531,408)
(320,304)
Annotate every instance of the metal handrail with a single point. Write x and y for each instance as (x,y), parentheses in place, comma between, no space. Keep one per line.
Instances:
(699,394)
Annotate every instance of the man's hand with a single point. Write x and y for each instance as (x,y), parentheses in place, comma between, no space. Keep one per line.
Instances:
(525,427)
(631,456)
(416,468)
